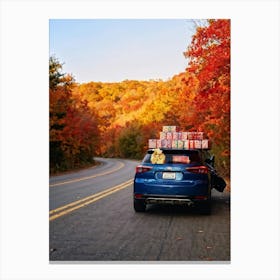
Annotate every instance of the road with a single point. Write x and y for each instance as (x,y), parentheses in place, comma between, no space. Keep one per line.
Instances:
(92,219)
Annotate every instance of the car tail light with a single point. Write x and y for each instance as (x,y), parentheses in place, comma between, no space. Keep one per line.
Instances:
(142,168)
(201,197)
(198,169)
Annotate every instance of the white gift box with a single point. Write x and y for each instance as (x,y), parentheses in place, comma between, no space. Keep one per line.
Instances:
(184,135)
(205,144)
(159,143)
(169,128)
(162,135)
(174,144)
(169,135)
(186,144)
(166,143)
(197,144)
(176,135)
(152,143)
(180,144)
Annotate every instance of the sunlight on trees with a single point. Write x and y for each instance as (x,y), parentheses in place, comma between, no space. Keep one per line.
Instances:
(117,119)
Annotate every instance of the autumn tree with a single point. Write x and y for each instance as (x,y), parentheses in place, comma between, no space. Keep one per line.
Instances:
(209,56)
(130,112)
(73,126)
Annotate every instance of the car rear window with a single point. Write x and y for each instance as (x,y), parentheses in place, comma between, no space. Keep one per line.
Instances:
(176,156)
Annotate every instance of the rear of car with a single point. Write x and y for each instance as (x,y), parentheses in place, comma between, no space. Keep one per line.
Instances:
(180,177)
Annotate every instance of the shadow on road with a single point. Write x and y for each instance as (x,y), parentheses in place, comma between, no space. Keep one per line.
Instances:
(220,204)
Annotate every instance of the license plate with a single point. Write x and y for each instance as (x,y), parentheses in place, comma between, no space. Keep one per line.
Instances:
(169,175)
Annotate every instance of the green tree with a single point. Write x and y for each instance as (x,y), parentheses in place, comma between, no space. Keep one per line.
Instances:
(131,142)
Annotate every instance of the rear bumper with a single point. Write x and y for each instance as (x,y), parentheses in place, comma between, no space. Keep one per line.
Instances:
(173,200)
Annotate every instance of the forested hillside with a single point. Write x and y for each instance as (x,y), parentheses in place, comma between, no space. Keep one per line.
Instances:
(117,119)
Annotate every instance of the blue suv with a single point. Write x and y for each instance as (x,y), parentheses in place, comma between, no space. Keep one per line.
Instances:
(168,176)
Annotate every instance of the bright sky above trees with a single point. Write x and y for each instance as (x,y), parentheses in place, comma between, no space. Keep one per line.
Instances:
(119,49)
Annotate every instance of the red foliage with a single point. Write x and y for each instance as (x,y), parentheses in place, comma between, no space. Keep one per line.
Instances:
(209,55)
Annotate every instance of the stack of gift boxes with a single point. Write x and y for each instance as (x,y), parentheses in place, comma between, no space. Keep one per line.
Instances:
(171,138)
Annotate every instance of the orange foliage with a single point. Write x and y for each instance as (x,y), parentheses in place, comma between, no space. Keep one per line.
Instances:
(73,125)
(130,112)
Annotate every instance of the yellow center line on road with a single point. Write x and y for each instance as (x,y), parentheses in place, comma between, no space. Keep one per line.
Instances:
(88,177)
(63,210)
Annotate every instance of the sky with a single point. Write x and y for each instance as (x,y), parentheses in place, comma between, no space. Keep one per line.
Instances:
(113,50)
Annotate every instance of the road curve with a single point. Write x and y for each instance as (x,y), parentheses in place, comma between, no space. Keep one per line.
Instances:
(68,188)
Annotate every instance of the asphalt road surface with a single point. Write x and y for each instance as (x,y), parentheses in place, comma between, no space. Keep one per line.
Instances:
(92,219)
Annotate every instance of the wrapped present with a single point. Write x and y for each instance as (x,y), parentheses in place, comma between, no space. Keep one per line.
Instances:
(184,135)
(176,135)
(186,144)
(191,144)
(174,144)
(152,143)
(162,135)
(180,144)
(166,143)
(159,143)
(169,128)
(169,143)
(197,144)
(169,135)
(195,135)
(170,138)
(205,144)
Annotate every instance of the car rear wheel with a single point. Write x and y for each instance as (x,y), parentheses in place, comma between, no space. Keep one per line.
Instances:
(139,205)
(205,208)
